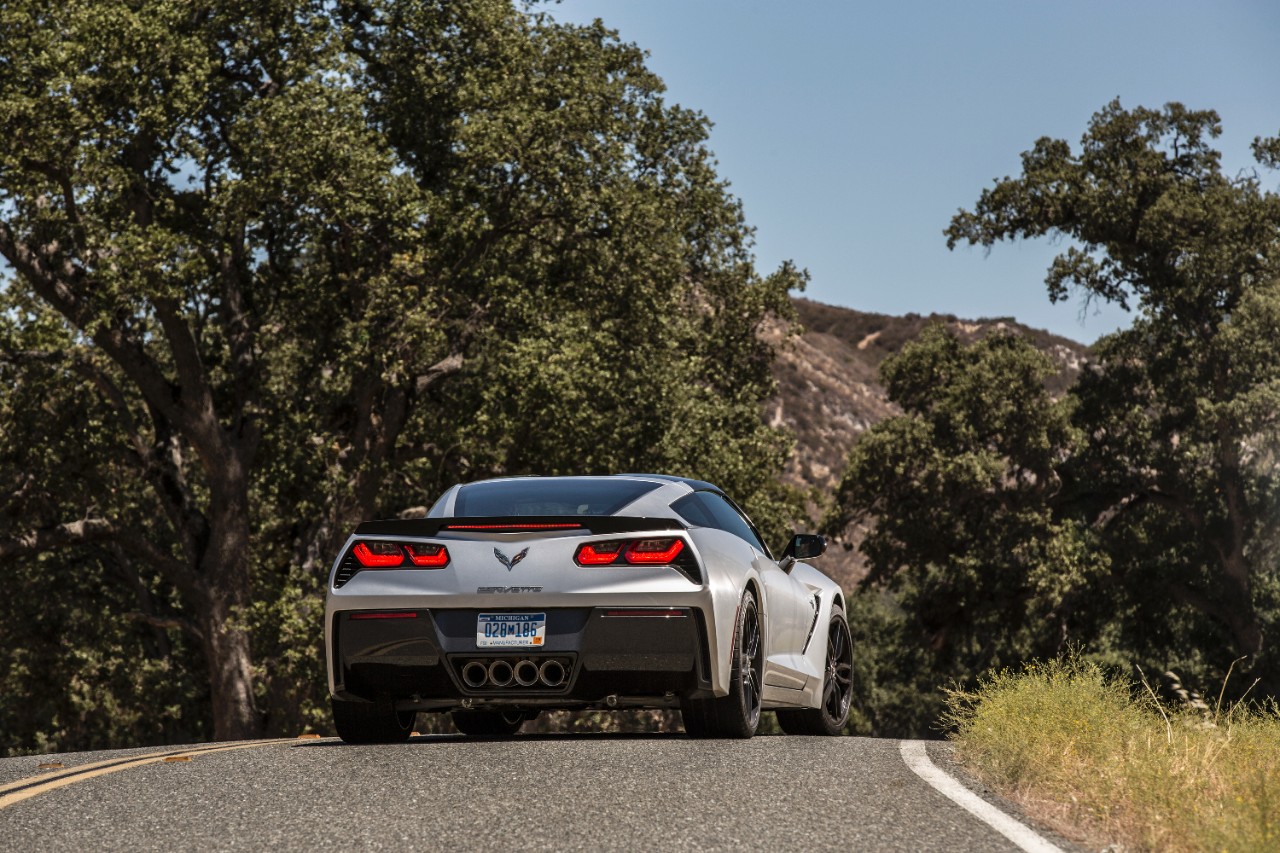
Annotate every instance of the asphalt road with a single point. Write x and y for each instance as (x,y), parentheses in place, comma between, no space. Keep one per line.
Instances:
(528,793)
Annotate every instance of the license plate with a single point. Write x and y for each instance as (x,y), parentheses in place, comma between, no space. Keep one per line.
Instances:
(510,630)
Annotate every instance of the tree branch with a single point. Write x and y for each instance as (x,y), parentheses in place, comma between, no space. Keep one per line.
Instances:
(54,283)
(89,531)
(446,366)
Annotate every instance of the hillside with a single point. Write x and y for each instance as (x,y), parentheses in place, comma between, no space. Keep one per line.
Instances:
(829,391)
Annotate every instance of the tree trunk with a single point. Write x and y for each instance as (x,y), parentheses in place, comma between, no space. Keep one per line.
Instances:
(1241,619)
(224,567)
(227,653)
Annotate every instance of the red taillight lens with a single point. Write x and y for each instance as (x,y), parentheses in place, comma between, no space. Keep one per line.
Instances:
(394,614)
(378,555)
(428,556)
(637,552)
(598,553)
(654,551)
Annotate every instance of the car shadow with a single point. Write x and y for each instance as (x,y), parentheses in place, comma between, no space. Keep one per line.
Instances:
(535,737)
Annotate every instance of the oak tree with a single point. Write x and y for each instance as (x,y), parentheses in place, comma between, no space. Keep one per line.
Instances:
(278,266)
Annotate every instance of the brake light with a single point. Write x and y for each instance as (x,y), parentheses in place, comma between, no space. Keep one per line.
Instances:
(651,613)
(394,614)
(635,552)
(428,556)
(654,551)
(512,528)
(378,555)
(598,553)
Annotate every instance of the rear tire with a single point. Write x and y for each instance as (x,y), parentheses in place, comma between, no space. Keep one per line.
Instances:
(488,723)
(738,714)
(370,722)
(837,689)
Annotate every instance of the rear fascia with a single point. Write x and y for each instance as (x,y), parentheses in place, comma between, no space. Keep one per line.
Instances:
(599,591)
(416,662)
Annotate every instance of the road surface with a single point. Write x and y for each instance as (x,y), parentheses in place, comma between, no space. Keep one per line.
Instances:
(538,792)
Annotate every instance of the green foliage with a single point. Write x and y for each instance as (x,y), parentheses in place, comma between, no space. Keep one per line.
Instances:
(282,266)
(92,663)
(1137,514)
(981,568)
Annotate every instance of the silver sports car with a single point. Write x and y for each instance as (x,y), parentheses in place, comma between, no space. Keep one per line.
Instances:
(519,595)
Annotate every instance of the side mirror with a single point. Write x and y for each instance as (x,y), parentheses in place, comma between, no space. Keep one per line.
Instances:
(803,546)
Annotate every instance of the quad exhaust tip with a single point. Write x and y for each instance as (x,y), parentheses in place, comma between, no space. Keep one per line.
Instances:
(551,673)
(527,672)
(500,673)
(475,674)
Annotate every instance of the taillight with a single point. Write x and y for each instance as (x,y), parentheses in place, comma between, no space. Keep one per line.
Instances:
(514,528)
(392,555)
(651,551)
(428,556)
(378,555)
(598,553)
(635,552)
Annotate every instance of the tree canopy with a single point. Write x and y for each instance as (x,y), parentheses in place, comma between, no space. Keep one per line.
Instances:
(281,266)
(1151,490)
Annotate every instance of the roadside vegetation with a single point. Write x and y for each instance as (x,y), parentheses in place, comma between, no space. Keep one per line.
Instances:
(1103,760)
(1135,513)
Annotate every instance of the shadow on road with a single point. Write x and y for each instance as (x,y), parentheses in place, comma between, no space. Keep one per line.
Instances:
(519,738)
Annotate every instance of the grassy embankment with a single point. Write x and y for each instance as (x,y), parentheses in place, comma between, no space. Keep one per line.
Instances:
(1103,761)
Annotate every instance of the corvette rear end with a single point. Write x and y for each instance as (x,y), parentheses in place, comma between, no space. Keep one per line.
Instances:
(547,612)
(521,595)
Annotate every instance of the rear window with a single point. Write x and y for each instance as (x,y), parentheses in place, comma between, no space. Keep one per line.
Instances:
(536,496)
(707,509)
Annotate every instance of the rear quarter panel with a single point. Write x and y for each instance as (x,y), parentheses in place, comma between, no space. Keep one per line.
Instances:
(727,562)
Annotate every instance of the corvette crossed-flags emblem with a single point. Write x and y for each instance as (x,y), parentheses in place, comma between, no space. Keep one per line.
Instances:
(510,562)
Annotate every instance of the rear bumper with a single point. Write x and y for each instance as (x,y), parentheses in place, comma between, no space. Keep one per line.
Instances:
(609,659)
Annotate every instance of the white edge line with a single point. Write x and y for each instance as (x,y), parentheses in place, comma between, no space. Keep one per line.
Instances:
(915,756)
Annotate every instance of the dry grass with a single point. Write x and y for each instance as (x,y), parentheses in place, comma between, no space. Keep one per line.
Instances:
(1104,762)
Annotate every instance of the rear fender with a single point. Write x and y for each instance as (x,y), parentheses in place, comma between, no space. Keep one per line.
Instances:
(726,559)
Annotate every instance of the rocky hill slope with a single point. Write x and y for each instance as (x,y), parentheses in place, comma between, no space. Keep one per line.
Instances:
(829,392)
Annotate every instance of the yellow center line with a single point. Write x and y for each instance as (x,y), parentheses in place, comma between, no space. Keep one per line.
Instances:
(24,789)
(77,769)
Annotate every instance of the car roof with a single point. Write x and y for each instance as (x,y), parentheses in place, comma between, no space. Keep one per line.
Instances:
(665,478)
(696,485)
(643,504)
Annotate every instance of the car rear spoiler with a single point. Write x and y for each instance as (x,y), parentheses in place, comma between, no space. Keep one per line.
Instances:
(515,524)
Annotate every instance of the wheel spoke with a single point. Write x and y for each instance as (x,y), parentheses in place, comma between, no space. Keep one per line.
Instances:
(750,662)
(838,690)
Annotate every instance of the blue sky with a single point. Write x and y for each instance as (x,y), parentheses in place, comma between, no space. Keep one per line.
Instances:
(853,131)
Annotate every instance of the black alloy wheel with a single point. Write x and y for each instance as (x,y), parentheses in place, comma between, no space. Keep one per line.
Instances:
(500,723)
(837,689)
(751,664)
(370,722)
(738,714)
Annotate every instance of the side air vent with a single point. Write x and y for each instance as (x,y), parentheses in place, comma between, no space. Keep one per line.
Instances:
(346,570)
